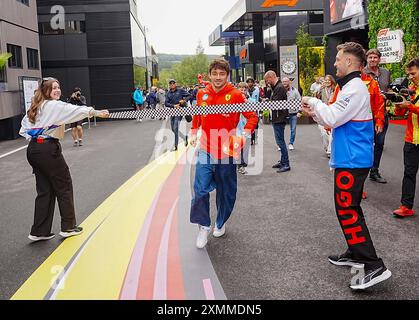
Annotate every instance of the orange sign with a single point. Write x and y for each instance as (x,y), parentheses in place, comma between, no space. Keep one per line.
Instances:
(243,54)
(383,32)
(273,3)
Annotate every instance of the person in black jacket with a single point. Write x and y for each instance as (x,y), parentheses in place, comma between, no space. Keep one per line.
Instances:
(77,127)
(176,98)
(279,119)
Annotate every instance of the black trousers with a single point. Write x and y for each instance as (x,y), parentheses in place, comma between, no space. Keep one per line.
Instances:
(411,164)
(349,184)
(379,140)
(53,181)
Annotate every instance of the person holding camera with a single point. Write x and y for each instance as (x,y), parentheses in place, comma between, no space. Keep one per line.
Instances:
(77,127)
(43,126)
(176,98)
(411,146)
(383,77)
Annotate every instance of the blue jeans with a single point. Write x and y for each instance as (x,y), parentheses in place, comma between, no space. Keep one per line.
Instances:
(379,144)
(244,154)
(293,127)
(211,175)
(174,123)
(279,129)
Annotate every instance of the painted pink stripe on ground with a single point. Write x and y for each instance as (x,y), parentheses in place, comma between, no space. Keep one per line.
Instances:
(160,279)
(130,285)
(209,292)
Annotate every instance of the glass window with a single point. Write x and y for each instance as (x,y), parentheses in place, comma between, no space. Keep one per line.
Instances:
(24,2)
(269,38)
(3,75)
(74,27)
(16,60)
(71,27)
(33,59)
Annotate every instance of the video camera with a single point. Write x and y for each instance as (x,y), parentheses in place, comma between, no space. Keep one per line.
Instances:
(399,90)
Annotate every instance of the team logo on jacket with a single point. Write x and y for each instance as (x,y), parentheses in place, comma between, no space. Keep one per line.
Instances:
(228,97)
(204,104)
(205,97)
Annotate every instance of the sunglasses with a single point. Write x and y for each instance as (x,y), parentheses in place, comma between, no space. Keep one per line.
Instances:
(48,79)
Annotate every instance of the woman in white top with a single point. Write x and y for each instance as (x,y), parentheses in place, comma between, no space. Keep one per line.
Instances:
(44,126)
(325,94)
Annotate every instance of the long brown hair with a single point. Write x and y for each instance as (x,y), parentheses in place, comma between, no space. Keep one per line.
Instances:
(332,81)
(42,94)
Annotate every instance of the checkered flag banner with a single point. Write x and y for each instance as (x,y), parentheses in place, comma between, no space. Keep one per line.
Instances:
(213,109)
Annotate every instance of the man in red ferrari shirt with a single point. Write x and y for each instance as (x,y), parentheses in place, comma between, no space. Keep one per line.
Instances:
(216,167)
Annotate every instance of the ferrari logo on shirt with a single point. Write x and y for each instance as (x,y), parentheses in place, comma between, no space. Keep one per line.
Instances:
(228,97)
(204,104)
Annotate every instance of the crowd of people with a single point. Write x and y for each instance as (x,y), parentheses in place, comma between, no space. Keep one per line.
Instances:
(350,111)
(351,115)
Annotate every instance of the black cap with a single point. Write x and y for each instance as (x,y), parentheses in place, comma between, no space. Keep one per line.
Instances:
(172,81)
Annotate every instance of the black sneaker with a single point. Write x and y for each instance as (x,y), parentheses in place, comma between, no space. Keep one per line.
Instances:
(71,232)
(284,169)
(344,260)
(41,238)
(376,176)
(277,166)
(372,277)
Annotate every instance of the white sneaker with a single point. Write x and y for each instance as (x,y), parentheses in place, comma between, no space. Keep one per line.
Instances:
(71,232)
(219,232)
(291,147)
(242,170)
(202,238)
(41,238)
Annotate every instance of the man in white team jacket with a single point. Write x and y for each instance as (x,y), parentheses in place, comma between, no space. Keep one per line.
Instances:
(352,157)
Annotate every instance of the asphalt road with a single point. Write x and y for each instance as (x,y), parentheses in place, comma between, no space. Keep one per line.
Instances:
(282,229)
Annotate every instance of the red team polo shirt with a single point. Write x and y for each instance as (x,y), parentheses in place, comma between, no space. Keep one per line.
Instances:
(217,128)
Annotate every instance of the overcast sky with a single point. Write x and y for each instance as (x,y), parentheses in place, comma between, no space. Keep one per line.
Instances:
(176,26)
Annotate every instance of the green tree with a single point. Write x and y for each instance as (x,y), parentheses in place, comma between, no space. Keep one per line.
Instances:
(164,76)
(402,15)
(3,59)
(139,76)
(185,72)
(309,59)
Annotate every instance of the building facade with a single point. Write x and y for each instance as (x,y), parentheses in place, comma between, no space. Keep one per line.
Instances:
(274,25)
(101,48)
(344,21)
(18,36)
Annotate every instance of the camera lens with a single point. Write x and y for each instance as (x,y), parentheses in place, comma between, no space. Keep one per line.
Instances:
(396,99)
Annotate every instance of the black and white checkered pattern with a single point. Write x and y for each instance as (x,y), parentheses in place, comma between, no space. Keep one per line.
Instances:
(215,109)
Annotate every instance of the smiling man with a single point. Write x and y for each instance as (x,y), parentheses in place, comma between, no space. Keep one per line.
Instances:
(216,167)
(383,77)
(352,157)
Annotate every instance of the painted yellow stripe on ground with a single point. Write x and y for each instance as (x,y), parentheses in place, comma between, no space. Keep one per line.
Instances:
(101,267)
